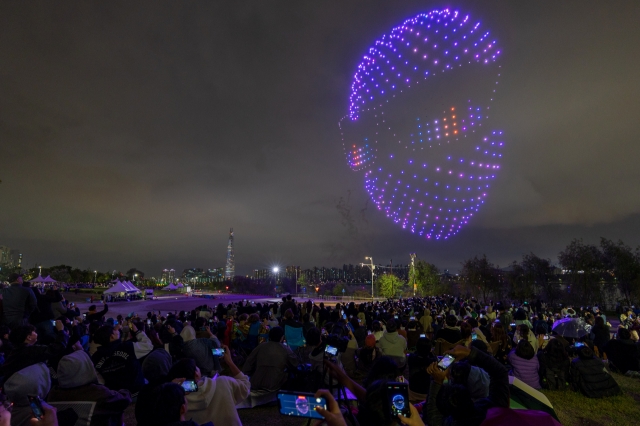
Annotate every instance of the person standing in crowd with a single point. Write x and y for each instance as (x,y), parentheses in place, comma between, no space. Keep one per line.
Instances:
(18,302)
(269,362)
(95,315)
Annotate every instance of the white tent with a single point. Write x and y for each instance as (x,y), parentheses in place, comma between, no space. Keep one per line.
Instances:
(180,285)
(170,287)
(39,279)
(49,280)
(122,287)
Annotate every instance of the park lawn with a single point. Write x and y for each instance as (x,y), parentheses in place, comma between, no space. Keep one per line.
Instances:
(573,408)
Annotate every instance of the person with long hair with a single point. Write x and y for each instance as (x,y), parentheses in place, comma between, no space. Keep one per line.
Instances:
(525,364)
(498,334)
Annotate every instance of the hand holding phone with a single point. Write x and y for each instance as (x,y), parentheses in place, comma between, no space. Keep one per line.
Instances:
(189,386)
(36,406)
(217,352)
(445,362)
(300,404)
(398,399)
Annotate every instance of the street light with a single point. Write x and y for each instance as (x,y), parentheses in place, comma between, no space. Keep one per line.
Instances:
(40,273)
(134,277)
(372,267)
(95,276)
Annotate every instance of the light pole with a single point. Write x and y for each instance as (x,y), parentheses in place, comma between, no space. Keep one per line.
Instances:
(134,277)
(275,275)
(296,268)
(372,267)
(95,276)
(413,272)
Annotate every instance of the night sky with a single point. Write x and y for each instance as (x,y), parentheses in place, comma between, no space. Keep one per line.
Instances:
(135,134)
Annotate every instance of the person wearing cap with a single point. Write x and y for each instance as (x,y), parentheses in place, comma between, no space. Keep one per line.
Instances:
(368,354)
(18,302)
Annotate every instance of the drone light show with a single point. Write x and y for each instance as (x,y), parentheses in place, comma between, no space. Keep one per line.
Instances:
(418,123)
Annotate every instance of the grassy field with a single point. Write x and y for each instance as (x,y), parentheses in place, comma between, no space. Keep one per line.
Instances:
(575,409)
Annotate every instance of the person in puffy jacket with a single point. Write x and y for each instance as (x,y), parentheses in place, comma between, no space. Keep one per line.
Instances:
(525,364)
(589,376)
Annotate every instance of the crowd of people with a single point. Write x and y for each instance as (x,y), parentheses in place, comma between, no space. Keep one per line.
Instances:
(195,367)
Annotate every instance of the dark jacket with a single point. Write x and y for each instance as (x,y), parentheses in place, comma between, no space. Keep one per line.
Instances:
(600,336)
(97,316)
(419,379)
(451,335)
(118,363)
(498,394)
(18,303)
(23,356)
(553,374)
(623,355)
(590,377)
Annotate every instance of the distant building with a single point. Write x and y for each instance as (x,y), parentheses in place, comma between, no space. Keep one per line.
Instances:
(230,269)
(168,276)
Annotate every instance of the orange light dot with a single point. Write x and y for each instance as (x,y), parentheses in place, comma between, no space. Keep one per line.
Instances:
(452,109)
(453,116)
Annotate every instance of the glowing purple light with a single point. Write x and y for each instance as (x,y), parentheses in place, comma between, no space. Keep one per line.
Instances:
(377,128)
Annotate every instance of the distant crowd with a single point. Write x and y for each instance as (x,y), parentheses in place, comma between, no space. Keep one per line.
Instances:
(201,366)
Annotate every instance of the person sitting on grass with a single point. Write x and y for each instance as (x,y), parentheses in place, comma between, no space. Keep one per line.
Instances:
(452,404)
(590,377)
(393,345)
(525,364)
(623,353)
(200,350)
(216,398)
(554,365)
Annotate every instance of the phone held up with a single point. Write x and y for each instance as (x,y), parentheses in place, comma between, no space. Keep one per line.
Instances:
(190,386)
(398,399)
(300,404)
(445,362)
(331,351)
(217,352)
(36,406)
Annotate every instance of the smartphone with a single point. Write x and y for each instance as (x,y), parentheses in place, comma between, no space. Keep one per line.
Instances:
(369,332)
(190,386)
(217,352)
(412,318)
(300,404)
(330,350)
(149,322)
(398,399)
(546,337)
(53,323)
(513,325)
(84,316)
(395,316)
(36,406)
(579,344)
(445,362)
(423,335)
(474,336)
(481,315)
(344,316)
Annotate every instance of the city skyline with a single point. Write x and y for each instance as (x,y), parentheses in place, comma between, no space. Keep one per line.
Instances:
(142,146)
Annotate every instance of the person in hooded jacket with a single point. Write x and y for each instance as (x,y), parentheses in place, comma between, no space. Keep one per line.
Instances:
(590,377)
(117,361)
(170,407)
(32,380)
(200,350)
(393,345)
(78,381)
(216,398)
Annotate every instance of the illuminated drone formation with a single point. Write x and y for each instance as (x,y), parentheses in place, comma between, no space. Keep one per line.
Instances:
(427,166)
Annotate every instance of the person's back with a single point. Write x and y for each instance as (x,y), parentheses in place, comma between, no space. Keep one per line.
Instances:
(450,332)
(200,350)
(623,353)
(268,362)
(590,377)
(392,344)
(78,381)
(18,302)
(525,364)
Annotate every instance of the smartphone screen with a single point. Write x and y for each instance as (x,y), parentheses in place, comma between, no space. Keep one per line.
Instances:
(331,350)
(445,362)
(190,386)
(53,323)
(412,318)
(474,336)
(36,406)
(217,352)
(423,335)
(344,316)
(300,404)
(546,337)
(398,397)
(579,344)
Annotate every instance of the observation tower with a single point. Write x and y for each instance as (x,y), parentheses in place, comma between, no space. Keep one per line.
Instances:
(230,269)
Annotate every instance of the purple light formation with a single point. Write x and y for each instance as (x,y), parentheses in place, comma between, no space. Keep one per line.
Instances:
(427,166)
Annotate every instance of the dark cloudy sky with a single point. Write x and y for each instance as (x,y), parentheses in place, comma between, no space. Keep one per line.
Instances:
(135,134)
